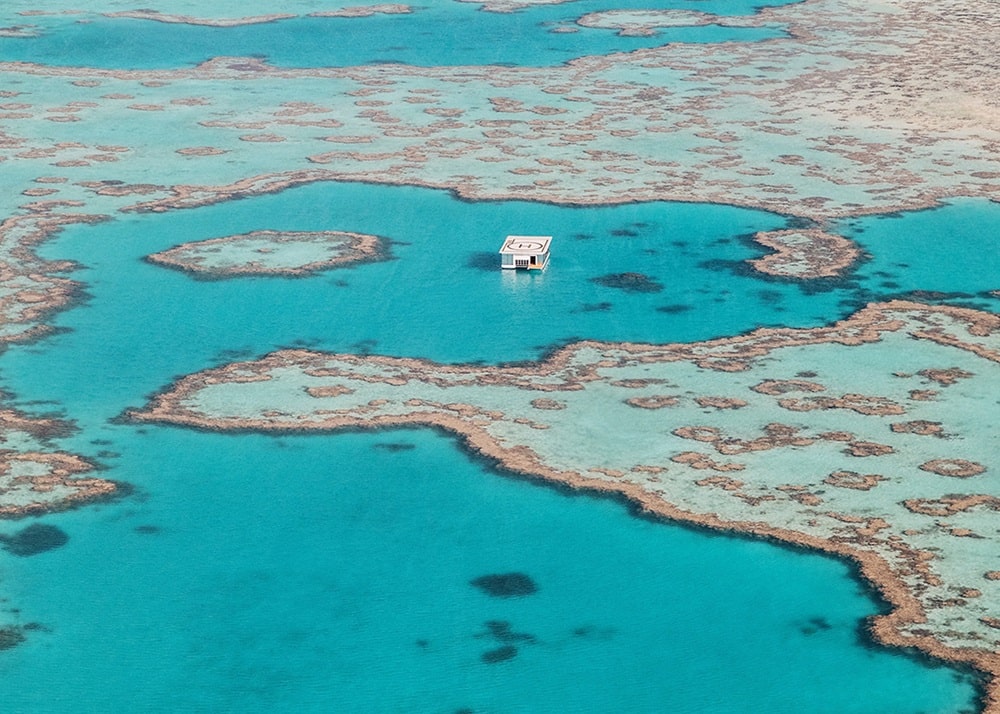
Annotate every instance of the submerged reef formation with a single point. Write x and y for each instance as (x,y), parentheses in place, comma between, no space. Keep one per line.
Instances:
(34,479)
(805,254)
(30,288)
(366,10)
(10,637)
(505,585)
(647,22)
(775,433)
(289,253)
(147,14)
(32,483)
(32,540)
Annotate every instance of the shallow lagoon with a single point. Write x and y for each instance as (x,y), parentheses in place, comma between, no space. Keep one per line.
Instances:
(332,572)
(437,34)
(442,297)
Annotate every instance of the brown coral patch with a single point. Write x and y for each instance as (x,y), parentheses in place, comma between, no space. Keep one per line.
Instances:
(945,377)
(950,504)
(806,498)
(956,468)
(262,138)
(63,471)
(654,402)
(918,426)
(777,387)
(702,462)
(332,390)
(860,403)
(720,402)
(117,188)
(854,480)
(355,248)
(146,14)
(868,448)
(962,533)
(707,434)
(635,383)
(837,436)
(775,436)
(805,254)
(724,482)
(200,151)
(549,404)
(365,10)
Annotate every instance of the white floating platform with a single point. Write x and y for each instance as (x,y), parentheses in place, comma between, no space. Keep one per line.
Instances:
(525,252)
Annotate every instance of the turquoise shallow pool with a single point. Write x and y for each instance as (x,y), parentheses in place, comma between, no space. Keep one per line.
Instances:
(332,573)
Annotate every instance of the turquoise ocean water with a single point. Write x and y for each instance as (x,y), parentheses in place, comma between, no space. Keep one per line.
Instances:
(440,33)
(332,572)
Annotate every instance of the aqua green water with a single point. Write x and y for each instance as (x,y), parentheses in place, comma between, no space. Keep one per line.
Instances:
(331,573)
(441,297)
(436,34)
(949,254)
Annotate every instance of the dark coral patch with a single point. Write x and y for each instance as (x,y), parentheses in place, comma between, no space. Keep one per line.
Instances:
(629,282)
(798,223)
(10,637)
(505,585)
(34,539)
(394,447)
(674,309)
(500,654)
(501,631)
(814,625)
